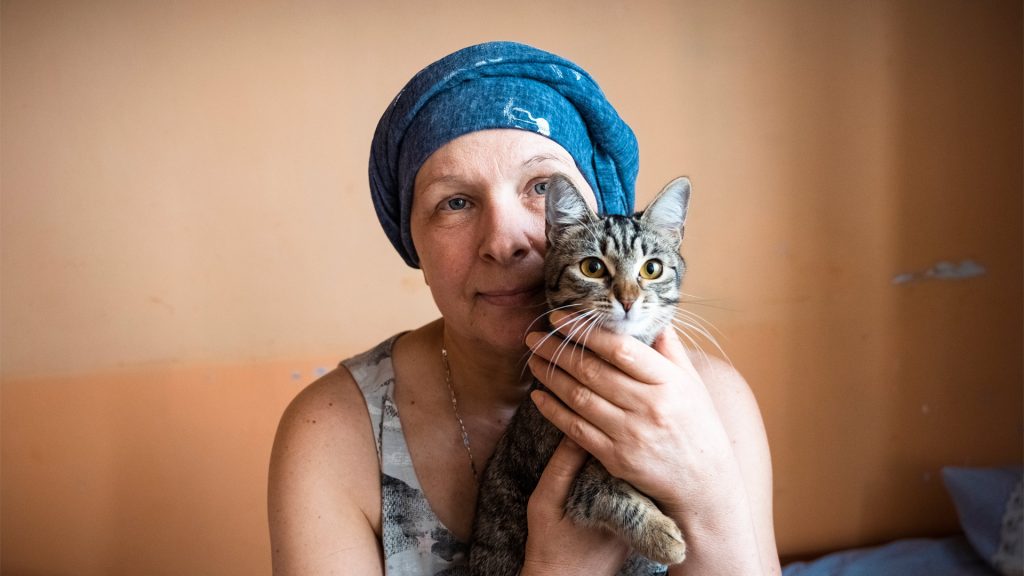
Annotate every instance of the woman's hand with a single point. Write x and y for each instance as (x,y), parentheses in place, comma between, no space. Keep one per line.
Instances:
(643,412)
(700,453)
(555,544)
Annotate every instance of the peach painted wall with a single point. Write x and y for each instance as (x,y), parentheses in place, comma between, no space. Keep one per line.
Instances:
(187,240)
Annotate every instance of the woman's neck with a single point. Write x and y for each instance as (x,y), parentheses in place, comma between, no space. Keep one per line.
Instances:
(484,377)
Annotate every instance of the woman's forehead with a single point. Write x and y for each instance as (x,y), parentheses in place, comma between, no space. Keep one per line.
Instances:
(488,150)
(488,154)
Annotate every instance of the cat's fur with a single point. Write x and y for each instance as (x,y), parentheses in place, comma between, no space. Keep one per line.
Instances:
(623,244)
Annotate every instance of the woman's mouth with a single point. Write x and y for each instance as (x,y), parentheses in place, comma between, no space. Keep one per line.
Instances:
(514,297)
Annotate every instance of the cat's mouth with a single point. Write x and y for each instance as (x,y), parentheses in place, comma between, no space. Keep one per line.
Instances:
(514,297)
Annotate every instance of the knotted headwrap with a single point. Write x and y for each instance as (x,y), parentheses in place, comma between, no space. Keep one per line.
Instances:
(498,85)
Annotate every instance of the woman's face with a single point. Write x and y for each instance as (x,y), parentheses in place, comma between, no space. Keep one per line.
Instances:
(478,226)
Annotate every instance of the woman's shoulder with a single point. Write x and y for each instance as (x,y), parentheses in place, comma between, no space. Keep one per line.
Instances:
(721,376)
(324,482)
(724,382)
(738,410)
(325,453)
(328,422)
(331,404)
(334,407)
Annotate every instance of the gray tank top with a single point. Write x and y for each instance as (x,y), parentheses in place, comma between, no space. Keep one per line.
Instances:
(415,542)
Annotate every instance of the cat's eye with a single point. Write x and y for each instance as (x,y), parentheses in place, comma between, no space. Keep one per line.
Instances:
(651,269)
(541,188)
(592,267)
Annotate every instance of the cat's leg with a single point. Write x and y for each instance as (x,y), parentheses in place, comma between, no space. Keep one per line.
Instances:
(599,499)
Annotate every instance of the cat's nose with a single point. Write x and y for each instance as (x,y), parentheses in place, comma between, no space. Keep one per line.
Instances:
(626,304)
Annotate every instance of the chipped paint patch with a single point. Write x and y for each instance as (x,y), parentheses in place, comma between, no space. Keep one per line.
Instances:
(943,270)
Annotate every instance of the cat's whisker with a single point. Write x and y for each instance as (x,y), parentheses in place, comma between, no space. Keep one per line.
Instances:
(700,349)
(552,330)
(697,318)
(696,327)
(592,323)
(693,342)
(696,323)
(707,361)
(700,323)
(570,318)
(572,337)
(595,322)
(697,300)
(599,321)
(698,331)
(573,317)
(702,332)
(547,312)
(570,340)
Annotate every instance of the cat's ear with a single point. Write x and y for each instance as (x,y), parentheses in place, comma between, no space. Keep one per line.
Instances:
(564,204)
(668,210)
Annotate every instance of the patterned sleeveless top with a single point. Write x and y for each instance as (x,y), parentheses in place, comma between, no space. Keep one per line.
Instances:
(415,542)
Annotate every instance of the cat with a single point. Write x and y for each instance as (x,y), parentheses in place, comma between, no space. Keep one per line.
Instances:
(620,273)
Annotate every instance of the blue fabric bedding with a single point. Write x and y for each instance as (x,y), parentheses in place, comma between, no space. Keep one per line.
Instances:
(989,505)
(952,556)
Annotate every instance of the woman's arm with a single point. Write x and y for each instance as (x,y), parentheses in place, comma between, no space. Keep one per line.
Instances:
(555,545)
(324,484)
(738,410)
(696,447)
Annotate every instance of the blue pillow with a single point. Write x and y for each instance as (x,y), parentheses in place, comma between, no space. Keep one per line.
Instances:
(951,556)
(988,502)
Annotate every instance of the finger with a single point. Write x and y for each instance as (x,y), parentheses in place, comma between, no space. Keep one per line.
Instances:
(631,356)
(556,480)
(622,350)
(579,365)
(581,399)
(575,427)
(578,328)
(669,345)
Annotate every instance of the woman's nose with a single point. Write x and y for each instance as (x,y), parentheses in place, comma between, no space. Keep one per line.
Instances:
(507,232)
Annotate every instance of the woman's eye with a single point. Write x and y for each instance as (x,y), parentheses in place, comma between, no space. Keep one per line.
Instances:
(541,187)
(592,267)
(651,269)
(456,203)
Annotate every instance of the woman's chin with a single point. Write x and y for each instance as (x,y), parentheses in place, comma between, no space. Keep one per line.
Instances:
(508,334)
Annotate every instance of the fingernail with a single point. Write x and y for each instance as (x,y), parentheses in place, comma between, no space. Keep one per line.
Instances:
(557,317)
(537,397)
(532,338)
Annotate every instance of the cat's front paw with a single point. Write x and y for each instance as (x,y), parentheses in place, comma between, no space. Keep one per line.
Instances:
(661,540)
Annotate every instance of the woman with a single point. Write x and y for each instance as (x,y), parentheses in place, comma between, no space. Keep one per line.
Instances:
(457,171)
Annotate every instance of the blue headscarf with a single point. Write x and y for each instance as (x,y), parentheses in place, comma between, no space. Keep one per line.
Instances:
(498,85)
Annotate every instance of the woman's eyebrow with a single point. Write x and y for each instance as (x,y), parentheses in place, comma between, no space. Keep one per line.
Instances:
(539,158)
(443,179)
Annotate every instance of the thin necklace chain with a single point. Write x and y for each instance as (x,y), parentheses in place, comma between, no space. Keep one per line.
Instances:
(455,409)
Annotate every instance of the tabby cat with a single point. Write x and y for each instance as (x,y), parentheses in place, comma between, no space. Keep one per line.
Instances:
(620,273)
